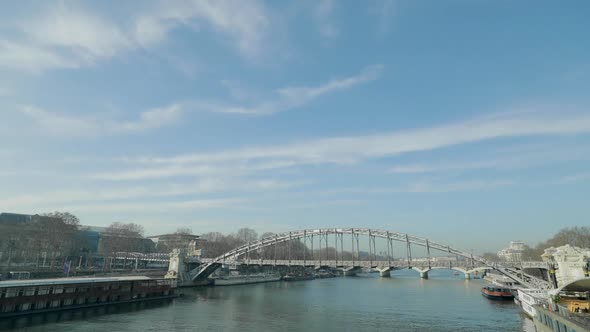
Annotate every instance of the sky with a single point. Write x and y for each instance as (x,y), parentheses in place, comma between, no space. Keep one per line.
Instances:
(465,122)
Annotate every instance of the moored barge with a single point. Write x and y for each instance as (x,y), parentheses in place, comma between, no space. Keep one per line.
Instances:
(245,279)
(23,297)
(497,293)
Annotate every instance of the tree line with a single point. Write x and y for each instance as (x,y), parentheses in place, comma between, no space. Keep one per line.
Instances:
(48,239)
(578,236)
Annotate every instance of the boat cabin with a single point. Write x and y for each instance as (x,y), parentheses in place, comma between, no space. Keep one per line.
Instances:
(19,297)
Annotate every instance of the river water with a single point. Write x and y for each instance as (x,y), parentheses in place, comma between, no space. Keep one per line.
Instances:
(444,302)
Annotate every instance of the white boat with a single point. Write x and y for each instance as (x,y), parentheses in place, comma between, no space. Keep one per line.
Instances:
(503,281)
(528,298)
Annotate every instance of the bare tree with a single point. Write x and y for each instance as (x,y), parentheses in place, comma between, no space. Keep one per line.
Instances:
(54,234)
(246,235)
(490,256)
(130,229)
(184,230)
(121,237)
(66,217)
(575,236)
(217,244)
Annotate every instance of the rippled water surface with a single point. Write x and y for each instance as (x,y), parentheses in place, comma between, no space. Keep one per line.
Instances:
(368,303)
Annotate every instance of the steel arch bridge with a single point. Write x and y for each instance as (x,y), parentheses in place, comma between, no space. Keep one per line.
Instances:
(335,236)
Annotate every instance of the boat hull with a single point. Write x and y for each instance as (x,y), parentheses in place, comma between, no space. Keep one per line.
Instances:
(297,278)
(244,281)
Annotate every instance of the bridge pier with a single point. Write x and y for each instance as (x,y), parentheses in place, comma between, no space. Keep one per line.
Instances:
(384,272)
(424,275)
(467,275)
(351,271)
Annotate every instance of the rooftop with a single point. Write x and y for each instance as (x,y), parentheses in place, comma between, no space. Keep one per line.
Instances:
(66,281)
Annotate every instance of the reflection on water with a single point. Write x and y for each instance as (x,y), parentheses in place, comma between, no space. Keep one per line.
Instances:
(367,303)
(78,314)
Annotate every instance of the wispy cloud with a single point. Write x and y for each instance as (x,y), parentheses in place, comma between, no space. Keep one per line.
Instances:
(292,97)
(246,23)
(78,125)
(467,185)
(87,35)
(5,92)
(120,196)
(189,205)
(31,58)
(420,186)
(61,37)
(69,124)
(71,36)
(383,10)
(517,157)
(575,178)
(323,17)
(354,149)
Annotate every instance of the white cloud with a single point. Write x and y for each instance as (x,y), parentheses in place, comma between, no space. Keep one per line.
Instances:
(441,187)
(5,92)
(61,124)
(517,157)
(91,125)
(61,37)
(322,14)
(190,205)
(421,186)
(31,58)
(77,125)
(443,167)
(575,178)
(115,195)
(87,35)
(292,97)
(154,118)
(353,149)
(246,23)
(69,36)
(383,10)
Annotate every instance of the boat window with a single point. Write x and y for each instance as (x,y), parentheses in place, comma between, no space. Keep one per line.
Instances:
(58,290)
(8,308)
(11,292)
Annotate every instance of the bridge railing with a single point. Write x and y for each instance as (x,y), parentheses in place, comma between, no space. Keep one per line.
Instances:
(356,263)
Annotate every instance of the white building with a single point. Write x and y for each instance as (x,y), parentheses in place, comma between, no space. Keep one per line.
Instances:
(571,263)
(513,252)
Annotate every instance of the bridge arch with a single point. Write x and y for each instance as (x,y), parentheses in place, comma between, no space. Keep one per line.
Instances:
(324,233)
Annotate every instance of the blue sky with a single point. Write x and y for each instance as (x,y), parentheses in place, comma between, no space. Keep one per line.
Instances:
(463,121)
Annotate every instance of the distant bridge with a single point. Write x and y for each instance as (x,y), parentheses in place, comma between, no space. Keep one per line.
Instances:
(467,267)
(326,236)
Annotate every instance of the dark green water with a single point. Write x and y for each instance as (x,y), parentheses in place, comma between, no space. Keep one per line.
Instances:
(403,303)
